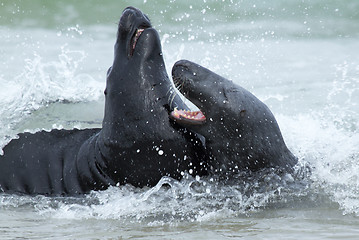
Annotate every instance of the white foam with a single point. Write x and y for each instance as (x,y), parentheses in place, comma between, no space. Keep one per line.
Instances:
(42,82)
(331,151)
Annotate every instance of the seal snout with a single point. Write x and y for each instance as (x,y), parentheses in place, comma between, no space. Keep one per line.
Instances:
(132,24)
(182,79)
(182,76)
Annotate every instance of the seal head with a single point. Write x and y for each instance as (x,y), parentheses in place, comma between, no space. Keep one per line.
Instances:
(240,130)
(137,139)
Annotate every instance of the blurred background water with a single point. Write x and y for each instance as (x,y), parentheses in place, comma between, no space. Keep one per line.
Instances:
(299,57)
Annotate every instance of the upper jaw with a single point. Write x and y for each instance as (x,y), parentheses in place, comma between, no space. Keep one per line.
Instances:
(132,24)
(182,79)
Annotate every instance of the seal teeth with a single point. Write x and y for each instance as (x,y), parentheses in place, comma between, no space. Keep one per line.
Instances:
(135,39)
(186,116)
(137,35)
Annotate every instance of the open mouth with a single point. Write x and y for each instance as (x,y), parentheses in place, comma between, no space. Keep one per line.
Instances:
(188,117)
(185,116)
(134,39)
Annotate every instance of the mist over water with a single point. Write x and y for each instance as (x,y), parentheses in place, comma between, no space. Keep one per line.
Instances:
(299,57)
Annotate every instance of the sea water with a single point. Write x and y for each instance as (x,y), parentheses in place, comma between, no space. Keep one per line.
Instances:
(301,58)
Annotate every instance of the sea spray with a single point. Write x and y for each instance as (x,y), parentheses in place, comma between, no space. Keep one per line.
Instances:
(171,201)
(41,83)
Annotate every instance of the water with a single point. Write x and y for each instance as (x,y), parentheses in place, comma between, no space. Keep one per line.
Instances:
(299,57)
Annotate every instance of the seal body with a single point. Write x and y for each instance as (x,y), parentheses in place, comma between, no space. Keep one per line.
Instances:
(45,163)
(137,143)
(241,132)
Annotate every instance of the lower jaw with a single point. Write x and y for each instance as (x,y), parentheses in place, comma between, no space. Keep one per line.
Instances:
(188,117)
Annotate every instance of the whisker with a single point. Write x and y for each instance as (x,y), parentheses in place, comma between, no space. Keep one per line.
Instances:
(171,95)
(173,98)
(171,88)
(180,87)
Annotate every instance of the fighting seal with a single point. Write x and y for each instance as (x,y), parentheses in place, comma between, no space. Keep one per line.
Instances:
(241,132)
(137,143)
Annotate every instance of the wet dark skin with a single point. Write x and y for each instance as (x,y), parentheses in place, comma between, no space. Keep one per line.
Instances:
(137,143)
(241,132)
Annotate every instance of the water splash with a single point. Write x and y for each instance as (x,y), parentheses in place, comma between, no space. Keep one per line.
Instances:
(171,201)
(42,83)
(328,140)
(343,99)
(340,168)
